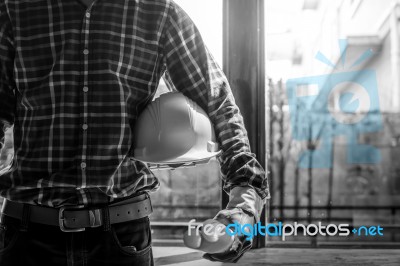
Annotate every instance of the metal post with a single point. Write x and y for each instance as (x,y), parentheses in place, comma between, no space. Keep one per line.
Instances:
(244,65)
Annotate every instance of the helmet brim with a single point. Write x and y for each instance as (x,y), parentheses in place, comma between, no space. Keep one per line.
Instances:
(187,158)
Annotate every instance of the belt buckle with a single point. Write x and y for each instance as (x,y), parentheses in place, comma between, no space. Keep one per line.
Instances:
(61,219)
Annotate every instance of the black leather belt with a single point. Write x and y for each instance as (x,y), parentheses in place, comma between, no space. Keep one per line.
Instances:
(77,218)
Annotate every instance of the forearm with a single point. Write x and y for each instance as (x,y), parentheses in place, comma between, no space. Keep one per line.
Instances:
(239,166)
(246,199)
(194,72)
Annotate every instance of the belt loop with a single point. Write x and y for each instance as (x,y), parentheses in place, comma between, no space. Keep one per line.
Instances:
(106,219)
(26,214)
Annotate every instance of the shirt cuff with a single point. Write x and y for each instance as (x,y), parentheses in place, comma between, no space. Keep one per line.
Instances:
(246,198)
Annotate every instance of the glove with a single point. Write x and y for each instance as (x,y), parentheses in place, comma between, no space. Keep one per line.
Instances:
(240,245)
(244,207)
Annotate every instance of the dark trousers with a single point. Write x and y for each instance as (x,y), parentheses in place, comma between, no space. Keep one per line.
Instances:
(24,244)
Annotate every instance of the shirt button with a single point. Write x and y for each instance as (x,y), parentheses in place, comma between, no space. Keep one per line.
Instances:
(84,126)
(83,165)
(86,51)
(88,15)
(85,89)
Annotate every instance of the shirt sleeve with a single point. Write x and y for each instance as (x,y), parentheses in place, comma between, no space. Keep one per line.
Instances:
(7,84)
(194,72)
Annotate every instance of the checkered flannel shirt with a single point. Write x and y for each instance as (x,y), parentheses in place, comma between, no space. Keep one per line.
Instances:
(73,80)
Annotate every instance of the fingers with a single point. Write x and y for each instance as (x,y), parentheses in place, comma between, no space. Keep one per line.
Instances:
(240,244)
(231,256)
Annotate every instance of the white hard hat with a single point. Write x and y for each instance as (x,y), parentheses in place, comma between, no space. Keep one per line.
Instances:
(172,131)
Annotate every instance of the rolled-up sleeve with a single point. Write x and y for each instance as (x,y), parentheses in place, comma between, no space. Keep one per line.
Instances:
(194,72)
(7,84)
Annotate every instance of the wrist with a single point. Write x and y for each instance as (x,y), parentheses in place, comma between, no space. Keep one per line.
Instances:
(246,199)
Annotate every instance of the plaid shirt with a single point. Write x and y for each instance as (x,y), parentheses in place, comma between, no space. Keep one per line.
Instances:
(73,81)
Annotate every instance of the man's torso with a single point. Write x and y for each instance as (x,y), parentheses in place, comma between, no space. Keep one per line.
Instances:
(82,77)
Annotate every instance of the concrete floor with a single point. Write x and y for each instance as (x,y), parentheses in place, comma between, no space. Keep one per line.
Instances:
(284,256)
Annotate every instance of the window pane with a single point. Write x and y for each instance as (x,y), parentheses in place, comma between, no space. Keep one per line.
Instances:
(207,15)
(333,142)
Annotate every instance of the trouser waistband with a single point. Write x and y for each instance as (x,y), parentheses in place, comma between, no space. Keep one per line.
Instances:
(77,218)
